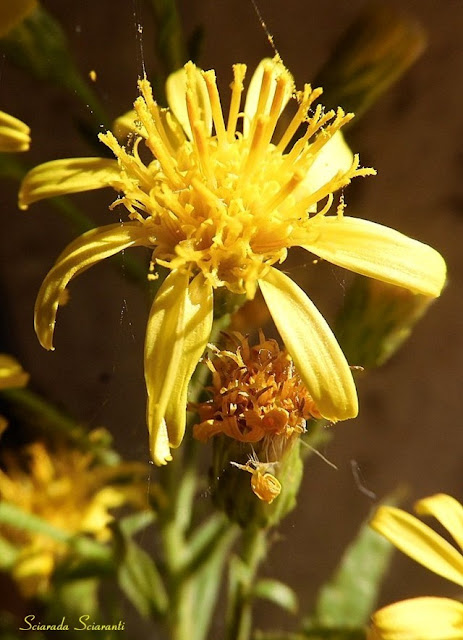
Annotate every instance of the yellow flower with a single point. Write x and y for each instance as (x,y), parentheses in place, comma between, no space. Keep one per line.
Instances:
(12,376)
(12,12)
(14,134)
(219,210)
(69,491)
(425,618)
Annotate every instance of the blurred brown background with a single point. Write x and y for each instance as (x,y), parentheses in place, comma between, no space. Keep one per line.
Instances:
(409,427)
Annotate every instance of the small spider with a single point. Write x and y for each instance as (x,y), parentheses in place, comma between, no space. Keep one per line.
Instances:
(263,483)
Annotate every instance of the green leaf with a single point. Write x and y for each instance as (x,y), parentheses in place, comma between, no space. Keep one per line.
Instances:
(278,593)
(73,599)
(141,582)
(347,600)
(89,560)
(86,548)
(15,517)
(130,525)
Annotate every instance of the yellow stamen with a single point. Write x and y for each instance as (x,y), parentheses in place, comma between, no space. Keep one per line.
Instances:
(239,71)
(217,114)
(317,121)
(155,143)
(199,136)
(130,163)
(264,93)
(285,191)
(341,179)
(256,147)
(283,84)
(147,93)
(308,97)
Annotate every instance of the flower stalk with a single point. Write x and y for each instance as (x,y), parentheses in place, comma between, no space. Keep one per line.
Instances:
(243,570)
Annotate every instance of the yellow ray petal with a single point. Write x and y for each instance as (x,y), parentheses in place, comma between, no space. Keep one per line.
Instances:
(14,134)
(70,175)
(333,157)
(176,86)
(377,251)
(419,542)
(254,90)
(12,12)
(198,326)
(419,619)
(312,345)
(82,253)
(447,510)
(164,341)
(126,124)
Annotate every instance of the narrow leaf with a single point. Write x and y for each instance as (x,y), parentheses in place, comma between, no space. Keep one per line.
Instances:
(141,582)
(348,599)
(278,593)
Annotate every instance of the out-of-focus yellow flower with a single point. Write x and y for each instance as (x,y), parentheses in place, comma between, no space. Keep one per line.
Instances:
(257,398)
(14,134)
(70,491)
(12,376)
(12,12)
(219,210)
(425,618)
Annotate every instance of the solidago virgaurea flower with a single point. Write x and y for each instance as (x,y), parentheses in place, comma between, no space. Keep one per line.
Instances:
(14,134)
(426,618)
(220,202)
(70,491)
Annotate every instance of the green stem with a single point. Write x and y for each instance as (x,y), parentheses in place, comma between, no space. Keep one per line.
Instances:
(50,419)
(180,589)
(243,572)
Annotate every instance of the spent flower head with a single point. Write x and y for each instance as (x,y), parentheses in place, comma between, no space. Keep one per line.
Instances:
(426,618)
(220,197)
(258,398)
